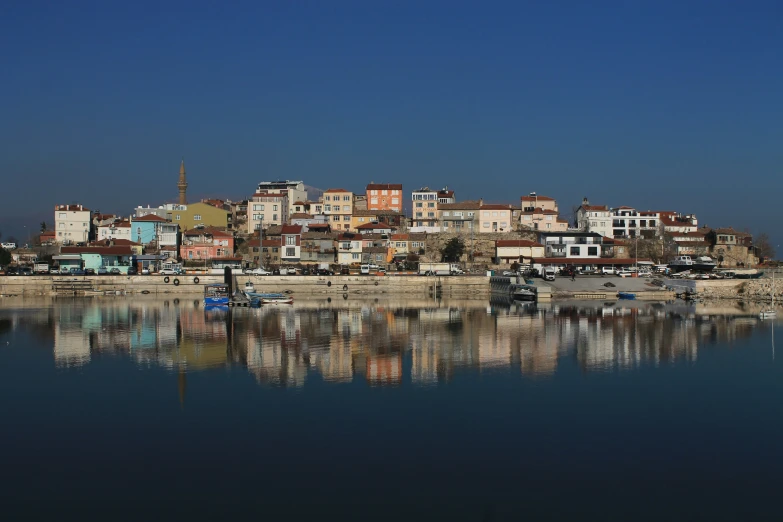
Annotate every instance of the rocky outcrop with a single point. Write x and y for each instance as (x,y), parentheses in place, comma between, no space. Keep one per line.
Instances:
(747,290)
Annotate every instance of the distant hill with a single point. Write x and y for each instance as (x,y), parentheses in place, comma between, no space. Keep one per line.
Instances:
(313,193)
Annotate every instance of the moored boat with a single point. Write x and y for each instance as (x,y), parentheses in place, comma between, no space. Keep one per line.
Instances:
(216,294)
(277,300)
(524,294)
(683,263)
(626,295)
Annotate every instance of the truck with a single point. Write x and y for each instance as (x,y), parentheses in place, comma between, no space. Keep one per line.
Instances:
(41,268)
(439,269)
(8,246)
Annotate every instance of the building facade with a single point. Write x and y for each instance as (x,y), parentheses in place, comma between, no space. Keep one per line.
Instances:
(291,243)
(495,218)
(206,243)
(459,217)
(384,196)
(424,210)
(266,209)
(295,190)
(72,223)
(338,207)
(199,214)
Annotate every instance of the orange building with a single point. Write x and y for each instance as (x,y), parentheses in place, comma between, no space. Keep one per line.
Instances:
(384,196)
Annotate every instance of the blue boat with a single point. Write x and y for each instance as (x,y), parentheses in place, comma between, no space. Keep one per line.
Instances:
(261,295)
(216,294)
(626,295)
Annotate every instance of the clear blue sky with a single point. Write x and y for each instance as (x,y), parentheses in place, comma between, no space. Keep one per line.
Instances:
(663,105)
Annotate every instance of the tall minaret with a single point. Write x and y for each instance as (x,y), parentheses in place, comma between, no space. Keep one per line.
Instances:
(182,185)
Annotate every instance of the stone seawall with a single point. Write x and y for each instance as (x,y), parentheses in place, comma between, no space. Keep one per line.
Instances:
(446,286)
(743,289)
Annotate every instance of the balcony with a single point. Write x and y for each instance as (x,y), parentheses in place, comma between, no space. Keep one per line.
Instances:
(556,253)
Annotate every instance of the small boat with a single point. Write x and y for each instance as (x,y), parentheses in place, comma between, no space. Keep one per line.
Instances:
(262,295)
(277,300)
(216,294)
(700,264)
(626,295)
(249,287)
(524,294)
(770,312)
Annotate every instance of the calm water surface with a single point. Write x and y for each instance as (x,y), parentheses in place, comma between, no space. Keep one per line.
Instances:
(365,410)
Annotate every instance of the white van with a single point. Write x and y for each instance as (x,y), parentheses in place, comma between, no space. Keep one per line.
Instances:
(364,270)
(548,274)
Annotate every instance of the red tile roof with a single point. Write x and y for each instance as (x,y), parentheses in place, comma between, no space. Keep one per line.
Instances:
(595,208)
(495,207)
(270,242)
(373,226)
(335,190)
(301,215)
(210,231)
(151,217)
(399,237)
(384,186)
(117,242)
(291,229)
(516,243)
(104,251)
(534,198)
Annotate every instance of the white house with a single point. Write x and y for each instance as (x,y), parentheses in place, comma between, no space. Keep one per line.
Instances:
(594,218)
(72,224)
(291,243)
(349,248)
(116,230)
(514,250)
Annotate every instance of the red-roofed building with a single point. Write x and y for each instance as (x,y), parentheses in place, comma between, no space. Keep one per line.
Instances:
(594,218)
(292,243)
(270,252)
(73,224)
(375,228)
(495,218)
(206,243)
(384,196)
(115,230)
(338,208)
(533,201)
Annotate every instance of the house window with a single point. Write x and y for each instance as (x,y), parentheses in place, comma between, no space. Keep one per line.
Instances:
(549,225)
(574,251)
(274,217)
(178,216)
(592,251)
(395,201)
(431,205)
(419,204)
(327,208)
(62,215)
(197,217)
(274,250)
(290,240)
(346,218)
(486,225)
(355,256)
(290,252)
(445,214)
(430,214)
(346,198)
(274,207)
(327,198)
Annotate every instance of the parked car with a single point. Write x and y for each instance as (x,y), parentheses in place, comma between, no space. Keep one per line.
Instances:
(115,271)
(257,271)
(509,273)
(132,270)
(608,270)
(25,271)
(291,271)
(171,271)
(89,271)
(305,271)
(145,271)
(344,270)
(276,271)
(103,270)
(324,272)
(11,270)
(77,271)
(625,273)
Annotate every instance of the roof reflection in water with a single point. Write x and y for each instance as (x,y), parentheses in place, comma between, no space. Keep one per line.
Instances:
(384,343)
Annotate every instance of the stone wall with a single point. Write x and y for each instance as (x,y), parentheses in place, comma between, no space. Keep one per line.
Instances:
(481,243)
(745,289)
(447,286)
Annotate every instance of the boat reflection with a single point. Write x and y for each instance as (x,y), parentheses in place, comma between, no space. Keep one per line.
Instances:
(386,343)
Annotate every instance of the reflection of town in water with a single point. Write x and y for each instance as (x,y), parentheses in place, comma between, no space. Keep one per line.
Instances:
(382,343)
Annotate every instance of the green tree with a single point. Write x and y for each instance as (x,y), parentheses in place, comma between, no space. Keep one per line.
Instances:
(5,257)
(453,250)
(43,226)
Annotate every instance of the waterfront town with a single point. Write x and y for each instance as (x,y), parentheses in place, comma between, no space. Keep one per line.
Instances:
(289,225)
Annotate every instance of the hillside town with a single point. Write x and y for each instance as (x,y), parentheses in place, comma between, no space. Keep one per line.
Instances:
(282,225)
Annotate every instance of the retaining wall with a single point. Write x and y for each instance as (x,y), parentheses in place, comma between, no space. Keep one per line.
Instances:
(446,286)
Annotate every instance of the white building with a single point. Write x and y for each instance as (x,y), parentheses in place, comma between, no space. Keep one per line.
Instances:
(424,210)
(627,222)
(150,211)
(295,190)
(72,224)
(349,249)
(265,210)
(117,230)
(594,218)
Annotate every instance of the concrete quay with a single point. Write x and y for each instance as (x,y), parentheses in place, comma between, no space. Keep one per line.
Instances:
(193,284)
(594,287)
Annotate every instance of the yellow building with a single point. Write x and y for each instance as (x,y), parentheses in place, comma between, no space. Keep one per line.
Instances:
(193,214)
(338,207)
